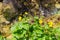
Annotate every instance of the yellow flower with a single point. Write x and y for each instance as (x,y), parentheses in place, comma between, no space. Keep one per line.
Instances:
(26,12)
(25,3)
(40,21)
(20,18)
(50,23)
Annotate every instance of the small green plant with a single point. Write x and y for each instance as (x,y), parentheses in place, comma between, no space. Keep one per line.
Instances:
(2,38)
(34,31)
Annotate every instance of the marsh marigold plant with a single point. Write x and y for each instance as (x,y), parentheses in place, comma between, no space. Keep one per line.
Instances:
(19,18)
(50,23)
(40,21)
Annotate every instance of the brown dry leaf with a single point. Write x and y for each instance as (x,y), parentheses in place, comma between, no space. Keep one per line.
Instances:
(6,30)
(57,5)
(9,37)
(2,19)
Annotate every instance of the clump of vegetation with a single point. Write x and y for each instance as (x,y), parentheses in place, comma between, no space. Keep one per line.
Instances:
(34,31)
(2,38)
